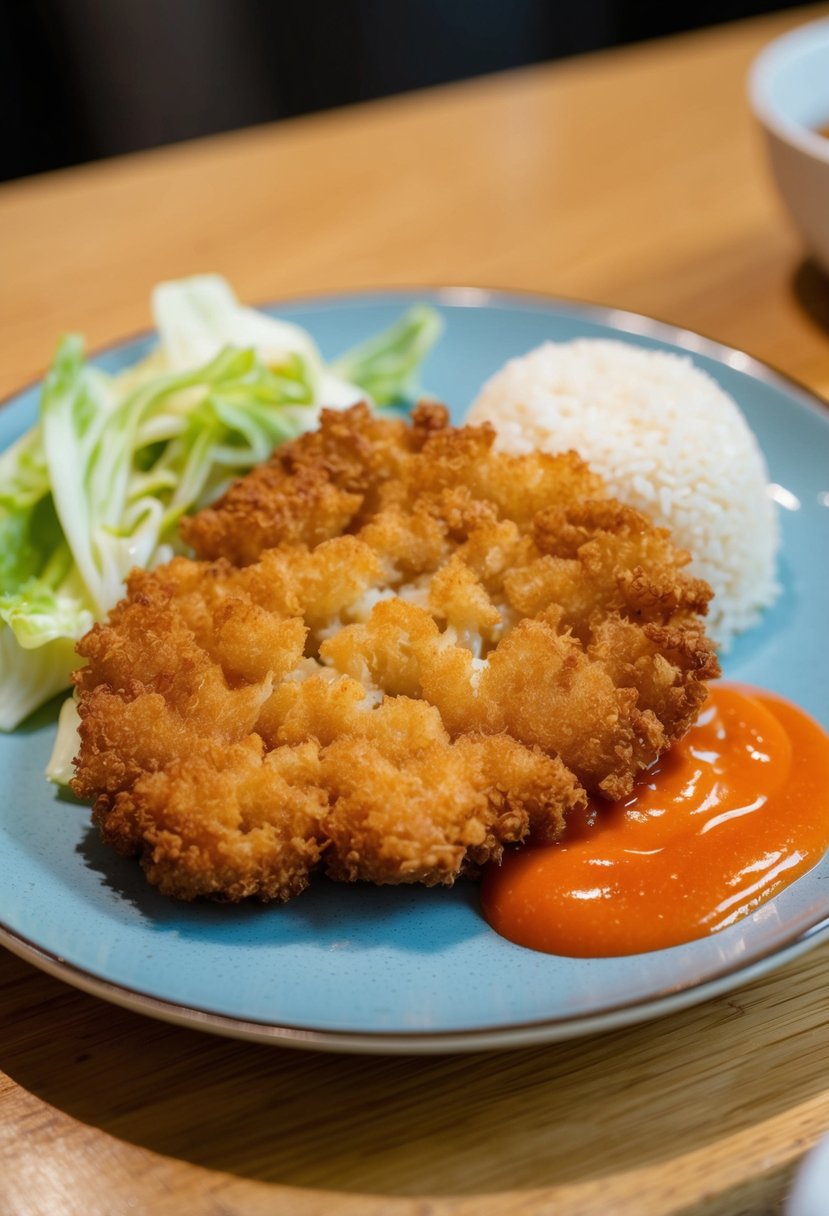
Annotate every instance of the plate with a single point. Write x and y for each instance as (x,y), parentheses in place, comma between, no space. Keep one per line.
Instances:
(408,969)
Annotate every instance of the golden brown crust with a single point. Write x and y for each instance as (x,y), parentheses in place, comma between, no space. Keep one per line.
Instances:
(398,652)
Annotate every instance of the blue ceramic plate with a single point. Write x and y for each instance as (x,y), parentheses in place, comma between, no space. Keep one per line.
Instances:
(409,969)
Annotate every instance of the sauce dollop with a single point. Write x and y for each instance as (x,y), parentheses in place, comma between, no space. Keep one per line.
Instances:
(718,825)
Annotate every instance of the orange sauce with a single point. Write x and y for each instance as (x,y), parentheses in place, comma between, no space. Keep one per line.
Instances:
(824,131)
(721,823)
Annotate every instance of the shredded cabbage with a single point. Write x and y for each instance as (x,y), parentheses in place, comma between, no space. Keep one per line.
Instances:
(98,485)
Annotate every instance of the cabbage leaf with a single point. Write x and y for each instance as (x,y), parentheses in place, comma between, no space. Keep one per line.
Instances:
(99,484)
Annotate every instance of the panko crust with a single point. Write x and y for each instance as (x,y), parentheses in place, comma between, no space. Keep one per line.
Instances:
(395,653)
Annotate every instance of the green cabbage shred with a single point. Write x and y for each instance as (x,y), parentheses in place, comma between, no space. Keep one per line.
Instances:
(99,483)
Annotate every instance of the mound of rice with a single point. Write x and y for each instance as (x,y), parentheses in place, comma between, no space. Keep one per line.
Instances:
(668,441)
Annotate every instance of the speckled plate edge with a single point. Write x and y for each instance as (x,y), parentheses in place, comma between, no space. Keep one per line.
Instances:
(436,1043)
(511,1036)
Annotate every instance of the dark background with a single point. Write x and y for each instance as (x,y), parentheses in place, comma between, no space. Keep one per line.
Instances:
(83,79)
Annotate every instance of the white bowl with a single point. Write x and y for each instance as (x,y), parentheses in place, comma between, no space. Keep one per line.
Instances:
(789,93)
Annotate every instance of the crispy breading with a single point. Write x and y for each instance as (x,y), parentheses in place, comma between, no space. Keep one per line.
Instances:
(395,653)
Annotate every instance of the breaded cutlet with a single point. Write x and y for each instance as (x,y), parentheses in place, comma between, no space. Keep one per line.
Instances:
(395,652)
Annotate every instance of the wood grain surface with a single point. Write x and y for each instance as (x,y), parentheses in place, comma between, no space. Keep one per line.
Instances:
(632,178)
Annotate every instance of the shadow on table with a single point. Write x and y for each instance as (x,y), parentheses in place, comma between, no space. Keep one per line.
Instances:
(759,1196)
(810,286)
(467,1125)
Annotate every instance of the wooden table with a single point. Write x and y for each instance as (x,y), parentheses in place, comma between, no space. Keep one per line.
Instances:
(632,178)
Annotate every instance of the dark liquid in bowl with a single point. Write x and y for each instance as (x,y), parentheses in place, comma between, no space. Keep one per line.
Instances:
(824,130)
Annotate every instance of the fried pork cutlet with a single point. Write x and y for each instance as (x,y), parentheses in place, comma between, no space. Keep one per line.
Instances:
(395,653)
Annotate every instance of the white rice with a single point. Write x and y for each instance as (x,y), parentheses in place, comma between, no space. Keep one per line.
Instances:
(667,440)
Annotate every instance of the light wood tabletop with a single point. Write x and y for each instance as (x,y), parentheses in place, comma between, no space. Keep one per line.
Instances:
(633,178)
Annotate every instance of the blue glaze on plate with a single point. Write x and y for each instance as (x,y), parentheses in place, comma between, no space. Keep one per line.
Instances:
(347,967)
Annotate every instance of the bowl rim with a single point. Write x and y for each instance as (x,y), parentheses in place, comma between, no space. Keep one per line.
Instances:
(764,67)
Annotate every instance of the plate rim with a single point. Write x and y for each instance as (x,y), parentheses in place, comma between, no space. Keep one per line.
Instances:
(522,1034)
(358,1042)
(472,295)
